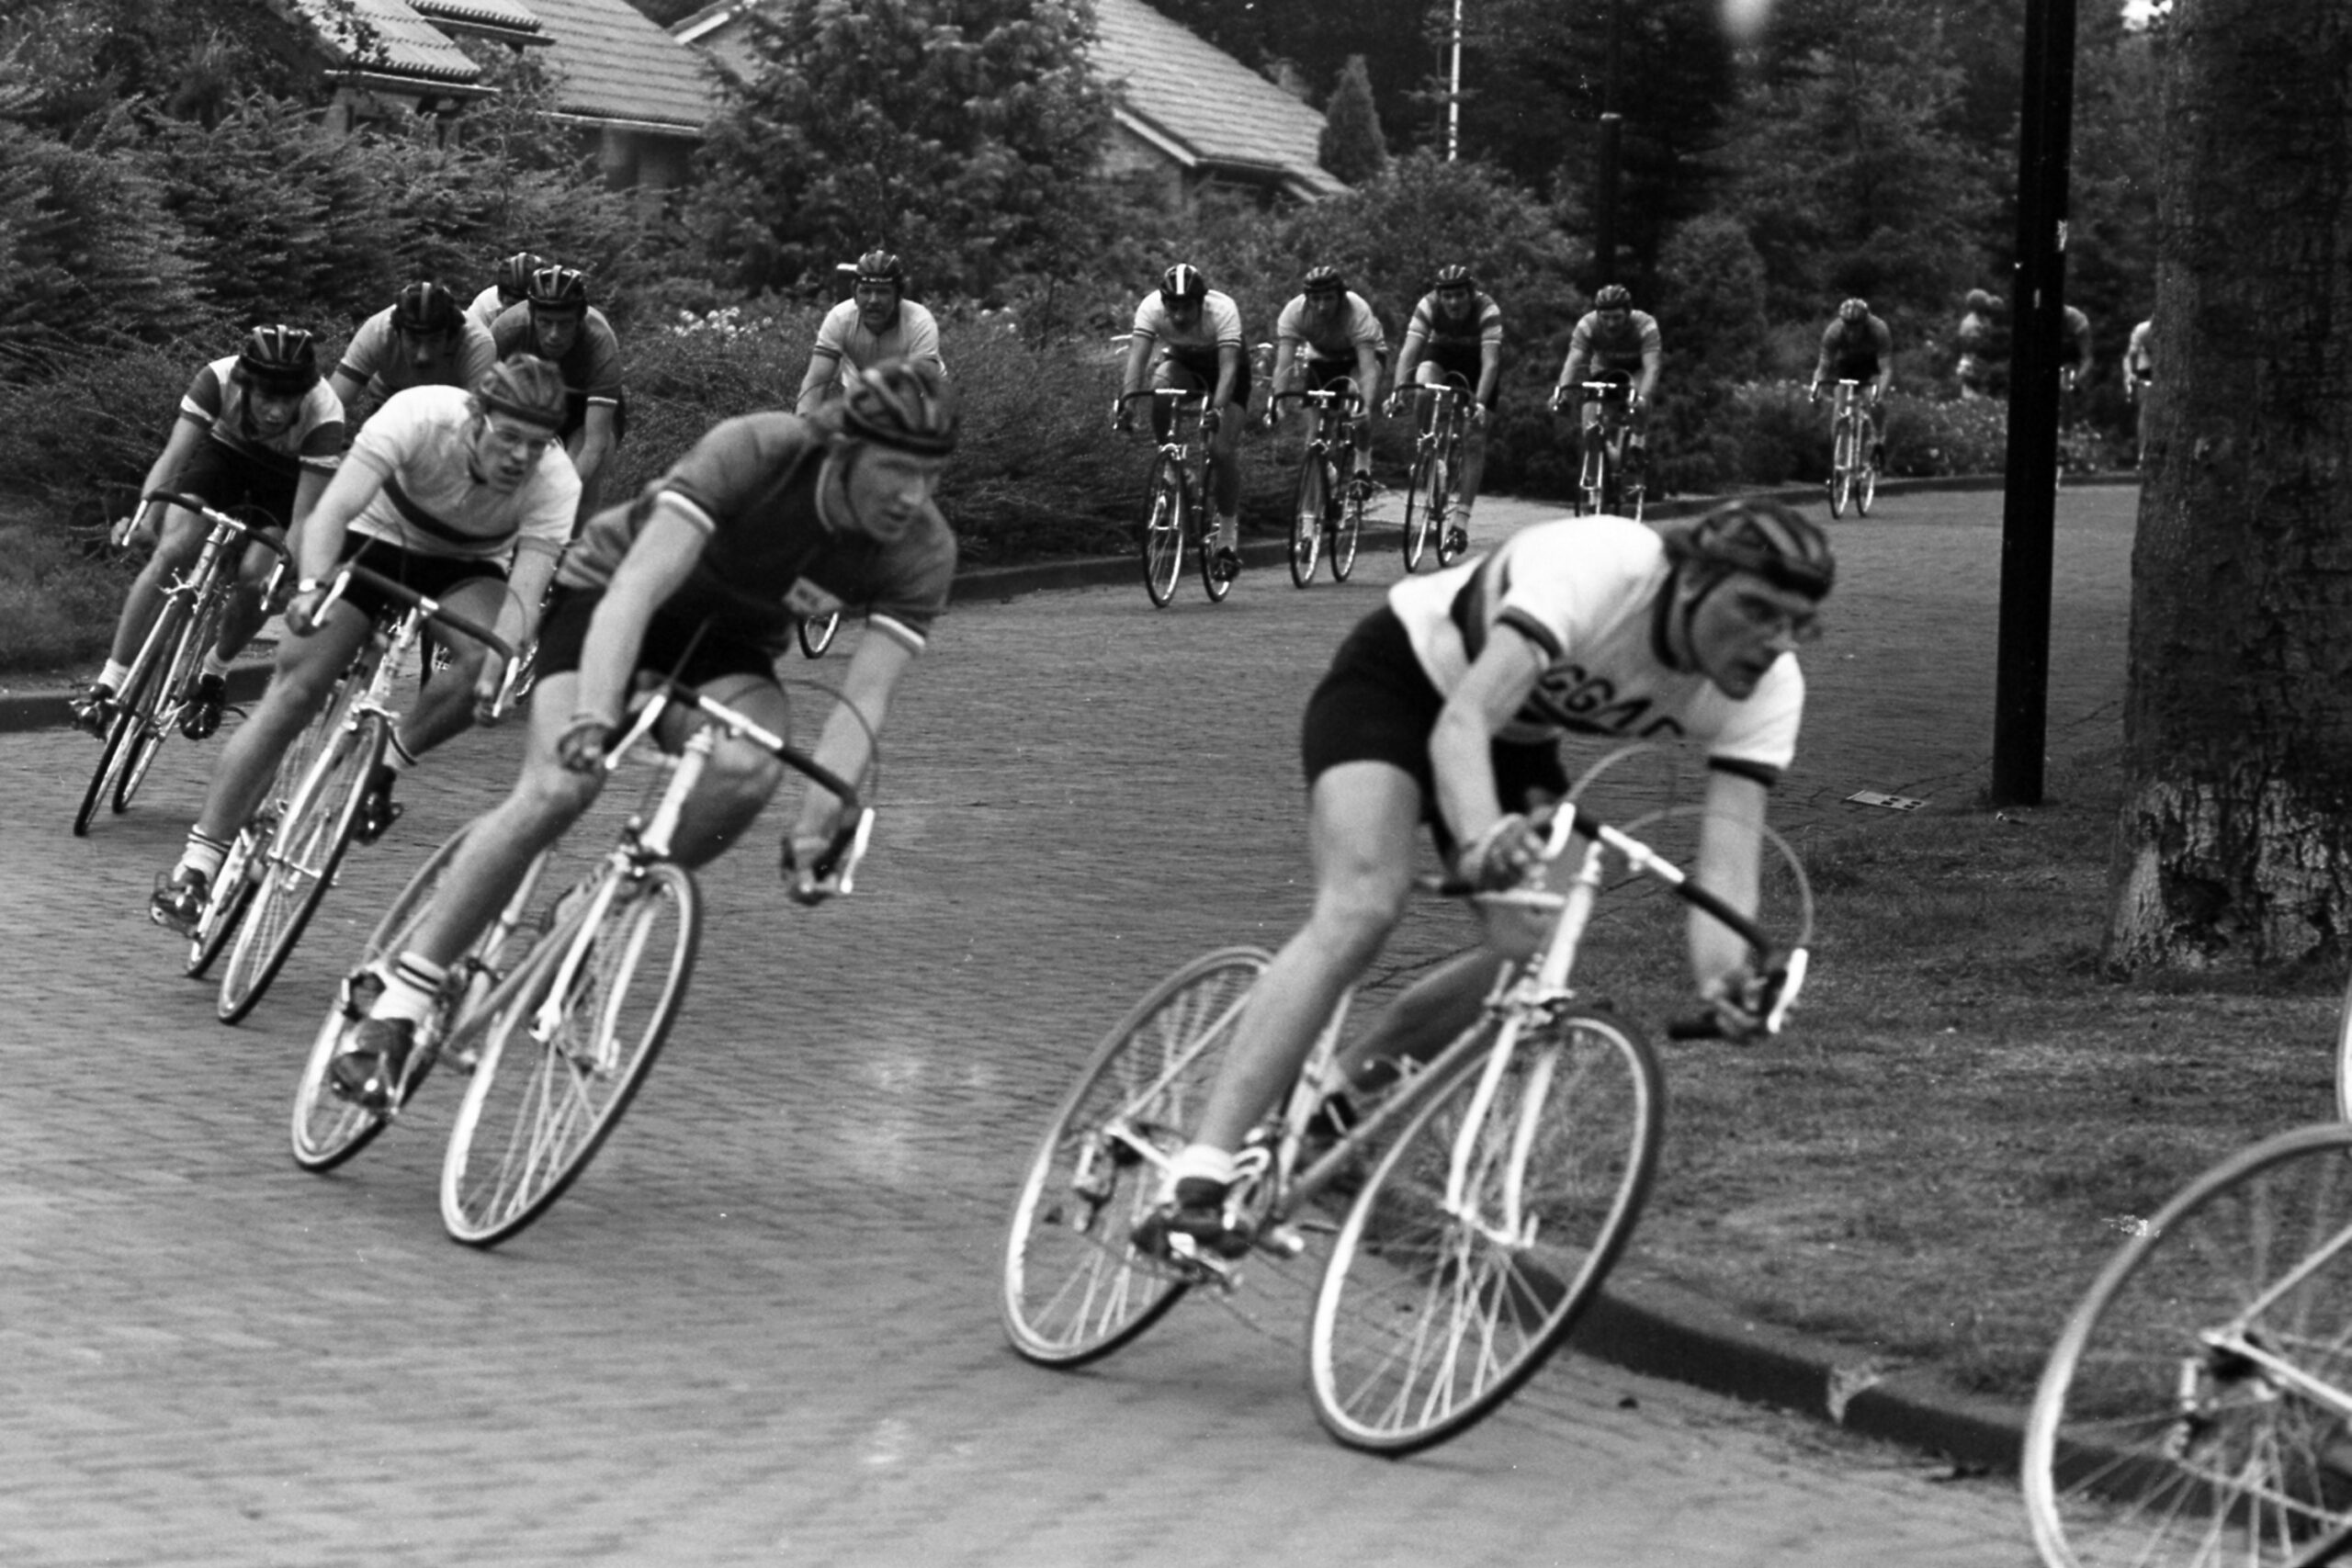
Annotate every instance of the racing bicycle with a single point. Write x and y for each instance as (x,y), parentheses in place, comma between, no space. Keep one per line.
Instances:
(1176,502)
(558,1020)
(1320,506)
(1853,456)
(1433,492)
(156,695)
(1463,1226)
(1606,422)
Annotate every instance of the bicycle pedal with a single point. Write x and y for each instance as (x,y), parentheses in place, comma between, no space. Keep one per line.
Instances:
(1200,1266)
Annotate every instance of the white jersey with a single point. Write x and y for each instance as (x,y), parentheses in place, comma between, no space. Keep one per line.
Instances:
(1217,325)
(1592,594)
(431,501)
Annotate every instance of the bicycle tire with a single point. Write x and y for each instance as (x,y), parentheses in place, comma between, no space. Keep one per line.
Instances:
(1448,552)
(1074,1288)
(1417,507)
(1346,533)
(1307,520)
(304,856)
(134,711)
(816,633)
(327,1129)
(188,658)
(2154,1436)
(1202,526)
(233,892)
(1592,475)
(1163,531)
(1841,468)
(535,1111)
(1428,1320)
(1866,486)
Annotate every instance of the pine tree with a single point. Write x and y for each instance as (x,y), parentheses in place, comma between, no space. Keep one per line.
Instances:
(1353,148)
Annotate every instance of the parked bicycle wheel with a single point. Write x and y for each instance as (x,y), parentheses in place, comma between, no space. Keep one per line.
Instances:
(299,864)
(1307,520)
(1074,1288)
(817,633)
(135,725)
(1484,1234)
(1346,533)
(556,1072)
(1424,505)
(1166,522)
(1841,467)
(2192,1411)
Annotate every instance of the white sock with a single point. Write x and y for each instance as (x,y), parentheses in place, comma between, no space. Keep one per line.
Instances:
(397,757)
(214,664)
(114,674)
(203,853)
(411,988)
(1203,1160)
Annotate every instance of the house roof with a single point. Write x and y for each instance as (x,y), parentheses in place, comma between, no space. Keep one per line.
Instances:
(691,26)
(501,19)
(387,39)
(1200,105)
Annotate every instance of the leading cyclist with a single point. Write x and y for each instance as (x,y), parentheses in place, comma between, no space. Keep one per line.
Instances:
(1197,333)
(1326,335)
(1445,706)
(1456,332)
(768,518)
(877,321)
(1613,341)
(1858,347)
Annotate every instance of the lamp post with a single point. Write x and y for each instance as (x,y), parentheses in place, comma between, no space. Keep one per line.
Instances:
(1454,90)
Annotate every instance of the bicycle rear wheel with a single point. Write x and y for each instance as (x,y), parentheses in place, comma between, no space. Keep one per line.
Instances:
(1163,530)
(1346,533)
(1074,1288)
(299,864)
(135,725)
(1432,1313)
(1424,504)
(1307,520)
(817,633)
(2177,1420)
(541,1104)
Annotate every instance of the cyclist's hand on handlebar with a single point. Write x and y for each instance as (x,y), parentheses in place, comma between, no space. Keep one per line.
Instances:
(1503,855)
(1211,421)
(1478,414)
(581,748)
(488,686)
(1122,418)
(1740,1003)
(303,610)
(1812,393)
(802,853)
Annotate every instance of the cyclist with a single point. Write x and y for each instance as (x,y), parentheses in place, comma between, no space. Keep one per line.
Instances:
(1858,347)
(877,321)
(1197,333)
(1984,344)
(257,427)
(423,340)
(1445,708)
(556,322)
(513,282)
(1612,342)
(463,496)
(1457,330)
(2075,357)
(1325,335)
(771,516)
(2138,373)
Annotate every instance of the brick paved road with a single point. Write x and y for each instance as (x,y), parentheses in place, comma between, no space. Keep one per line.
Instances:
(763,1329)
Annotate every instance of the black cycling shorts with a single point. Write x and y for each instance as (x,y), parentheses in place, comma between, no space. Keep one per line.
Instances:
(1467,363)
(433,576)
(1195,371)
(673,645)
(226,480)
(1376,705)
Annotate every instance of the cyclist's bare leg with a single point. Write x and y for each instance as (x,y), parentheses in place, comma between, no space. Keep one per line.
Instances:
(243,613)
(1424,1020)
(307,668)
(181,540)
(740,777)
(444,706)
(1474,461)
(1361,820)
(1225,475)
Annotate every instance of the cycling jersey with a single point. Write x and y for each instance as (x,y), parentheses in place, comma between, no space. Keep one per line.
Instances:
(218,402)
(1433,329)
(1856,352)
(2075,347)
(914,335)
(591,366)
(1217,325)
(1592,594)
(430,502)
(1620,346)
(488,306)
(384,359)
(2140,359)
(1337,335)
(769,556)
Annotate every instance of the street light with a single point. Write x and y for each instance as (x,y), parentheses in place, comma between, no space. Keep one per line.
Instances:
(1454,90)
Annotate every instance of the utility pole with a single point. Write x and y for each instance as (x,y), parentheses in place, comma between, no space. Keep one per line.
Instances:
(1454,90)
(2021,677)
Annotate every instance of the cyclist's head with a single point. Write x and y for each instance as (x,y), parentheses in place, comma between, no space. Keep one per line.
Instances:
(1453,283)
(278,361)
(1181,287)
(514,275)
(557,290)
(424,309)
(881,283)
(1614,298)
(1749,581)
(520,405)
(1984,302)
(884,267)
(1324,285)
(1854,312)
(892,432)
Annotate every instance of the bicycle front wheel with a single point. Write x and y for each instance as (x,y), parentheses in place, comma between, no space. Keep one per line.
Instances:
(2193,1410)
(1592,478)
(1841,470)
(1451,541)
(299,862)
(1483,1233)
(1866,484)
(1163,531)
(135,727)
(169,700)
(1424,489)
(817,633)
(1074,1287)
(1306,521)
(1203,527)
(1346,532)
(557,1071)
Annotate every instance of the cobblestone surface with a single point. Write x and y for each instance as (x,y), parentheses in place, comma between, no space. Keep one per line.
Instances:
(763,1329)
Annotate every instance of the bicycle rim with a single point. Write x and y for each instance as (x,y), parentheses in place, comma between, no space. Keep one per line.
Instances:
(539,1109)
(1074,1288)
(1345,534)
(1417,509)
(1306,522)
(1430,1316)
(1841,473)
(1163,532)
(817,633)
(299,864)
(1866,488)
(188,659)
(1202,527)
(1449,490)
(233,892)
(2154,1437)
(134,713)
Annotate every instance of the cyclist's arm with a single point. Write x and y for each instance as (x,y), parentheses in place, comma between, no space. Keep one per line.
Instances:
(1228,374)
(1286,367)
(656,565)
(164,473)
(823,366)
(1728,841)
(527,588)
(1572,371)
(309,488)
(346,385)
(1461,755)
(1651,359)
(593,442)
(1140,346)
(1409,359)
(1490,371)
(845,746)
(1367,372)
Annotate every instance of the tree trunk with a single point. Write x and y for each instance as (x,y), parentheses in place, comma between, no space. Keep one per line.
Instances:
(2235,841)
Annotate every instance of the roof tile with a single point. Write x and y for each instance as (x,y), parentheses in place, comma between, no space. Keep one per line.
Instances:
(617,64)
(388,36)
(504,14)
(1190,90)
